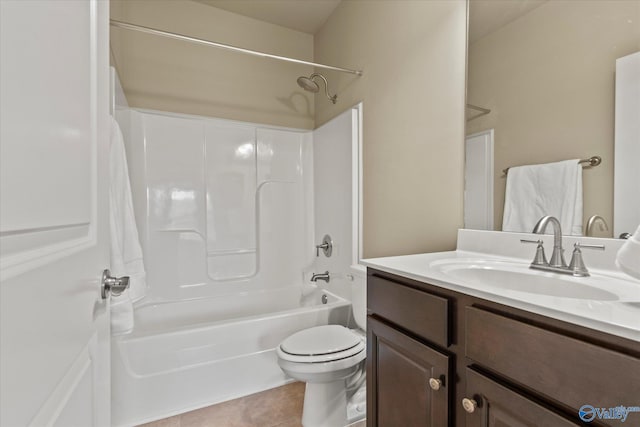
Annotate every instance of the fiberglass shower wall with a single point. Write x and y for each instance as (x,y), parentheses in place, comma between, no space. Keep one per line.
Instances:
(222,206)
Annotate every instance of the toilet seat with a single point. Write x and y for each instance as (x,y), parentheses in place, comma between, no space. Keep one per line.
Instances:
(321,344)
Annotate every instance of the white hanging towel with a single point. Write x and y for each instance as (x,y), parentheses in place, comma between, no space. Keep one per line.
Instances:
(126,254)
(628,258)
(535,191)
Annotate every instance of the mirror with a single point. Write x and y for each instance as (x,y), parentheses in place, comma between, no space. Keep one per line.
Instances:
(545,72)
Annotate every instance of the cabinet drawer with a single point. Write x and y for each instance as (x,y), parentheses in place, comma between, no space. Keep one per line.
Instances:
(501,406)
(563,368)
(422,313)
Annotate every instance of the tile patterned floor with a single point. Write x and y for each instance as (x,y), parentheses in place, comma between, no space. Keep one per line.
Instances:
(278,407)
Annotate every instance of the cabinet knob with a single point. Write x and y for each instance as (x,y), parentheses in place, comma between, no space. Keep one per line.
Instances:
(469,405)
(435,384)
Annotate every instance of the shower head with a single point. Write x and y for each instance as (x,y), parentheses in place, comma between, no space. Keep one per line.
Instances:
(308,84)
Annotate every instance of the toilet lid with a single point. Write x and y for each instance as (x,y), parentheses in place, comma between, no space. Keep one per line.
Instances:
(320,340)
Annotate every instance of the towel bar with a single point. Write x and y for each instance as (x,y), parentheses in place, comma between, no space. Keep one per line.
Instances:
(591,161)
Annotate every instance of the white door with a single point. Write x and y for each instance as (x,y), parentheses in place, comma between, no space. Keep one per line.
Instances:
(54,136)
(626,203)
(478,181)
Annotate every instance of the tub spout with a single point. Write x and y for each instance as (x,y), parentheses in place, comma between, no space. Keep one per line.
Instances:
(321,276)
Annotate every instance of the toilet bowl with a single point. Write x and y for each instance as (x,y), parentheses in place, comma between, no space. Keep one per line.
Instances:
(327,358)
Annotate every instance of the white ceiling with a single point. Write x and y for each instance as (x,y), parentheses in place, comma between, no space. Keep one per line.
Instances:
(486,16)
(307,16)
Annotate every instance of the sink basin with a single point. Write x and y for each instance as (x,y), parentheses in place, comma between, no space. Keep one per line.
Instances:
(511,276)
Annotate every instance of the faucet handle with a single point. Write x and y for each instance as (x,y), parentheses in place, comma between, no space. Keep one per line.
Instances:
(576,265)
(540,258)
(326,246)
(322,246)
(578,245)
(539,242)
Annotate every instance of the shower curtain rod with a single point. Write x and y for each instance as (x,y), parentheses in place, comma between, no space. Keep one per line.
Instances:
(148,30)
(474,107)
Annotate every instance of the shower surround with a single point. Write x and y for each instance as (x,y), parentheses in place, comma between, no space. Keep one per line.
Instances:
(226,218)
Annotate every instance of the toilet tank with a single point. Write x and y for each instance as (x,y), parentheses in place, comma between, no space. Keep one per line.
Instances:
(359,300)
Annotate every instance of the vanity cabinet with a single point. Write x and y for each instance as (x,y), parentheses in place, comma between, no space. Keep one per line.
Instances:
(410,379)
(408,374)
(492,365)
(560,367)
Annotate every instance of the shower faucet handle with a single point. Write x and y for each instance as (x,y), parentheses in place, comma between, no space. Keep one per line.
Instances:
(326,246)
(322,246)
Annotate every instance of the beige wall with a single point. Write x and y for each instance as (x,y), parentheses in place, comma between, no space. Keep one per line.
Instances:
(548,78)
(413,57)
(171,75)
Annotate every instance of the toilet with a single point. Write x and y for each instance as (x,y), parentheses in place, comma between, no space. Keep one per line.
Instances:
(330,359)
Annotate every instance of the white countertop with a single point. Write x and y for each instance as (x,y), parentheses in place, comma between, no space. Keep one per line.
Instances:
(620,317)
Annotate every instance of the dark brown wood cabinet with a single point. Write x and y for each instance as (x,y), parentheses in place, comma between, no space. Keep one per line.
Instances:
(409,379)
(511,368)
(492,404)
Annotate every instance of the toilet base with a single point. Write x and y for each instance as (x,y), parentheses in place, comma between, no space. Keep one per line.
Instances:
(357,405)
(325,404)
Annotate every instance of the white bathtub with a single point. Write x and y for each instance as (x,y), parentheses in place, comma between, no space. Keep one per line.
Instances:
(190,354)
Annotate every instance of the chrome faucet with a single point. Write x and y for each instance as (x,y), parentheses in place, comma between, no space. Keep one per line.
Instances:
(557,256)
(321,276)
(592,221)
(557,263)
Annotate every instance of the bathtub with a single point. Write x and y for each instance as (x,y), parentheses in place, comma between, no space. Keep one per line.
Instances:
(186,355)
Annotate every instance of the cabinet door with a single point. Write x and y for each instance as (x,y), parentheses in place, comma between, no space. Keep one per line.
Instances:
(490,404)
(408,381)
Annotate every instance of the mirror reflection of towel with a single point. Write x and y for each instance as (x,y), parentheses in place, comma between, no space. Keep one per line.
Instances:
(535,191)
(628,258)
